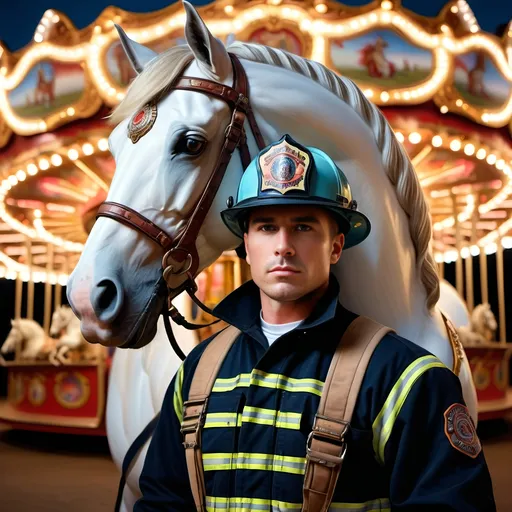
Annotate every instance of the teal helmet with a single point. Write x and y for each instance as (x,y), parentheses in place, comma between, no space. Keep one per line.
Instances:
(287,173)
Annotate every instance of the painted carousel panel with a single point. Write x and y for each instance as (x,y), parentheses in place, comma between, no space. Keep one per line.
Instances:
(381,58)
(479,82)
(47,88)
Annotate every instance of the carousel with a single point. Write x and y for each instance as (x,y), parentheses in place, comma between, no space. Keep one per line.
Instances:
(443,84)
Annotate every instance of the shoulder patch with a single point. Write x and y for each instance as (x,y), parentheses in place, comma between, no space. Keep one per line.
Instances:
(460,430)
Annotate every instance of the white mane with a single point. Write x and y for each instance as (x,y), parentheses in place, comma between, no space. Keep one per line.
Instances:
(157,79)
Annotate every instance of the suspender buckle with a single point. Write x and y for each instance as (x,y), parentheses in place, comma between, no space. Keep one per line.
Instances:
(332,432)
(193,423)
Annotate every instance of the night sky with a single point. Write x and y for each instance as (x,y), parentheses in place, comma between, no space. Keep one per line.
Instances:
(19,19)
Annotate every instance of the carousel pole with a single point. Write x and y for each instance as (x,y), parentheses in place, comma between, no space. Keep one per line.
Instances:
(18,297)
(30,284)
(48,289)
(484,284)
(57,299)
(459,283)
(470,293)
(501,290)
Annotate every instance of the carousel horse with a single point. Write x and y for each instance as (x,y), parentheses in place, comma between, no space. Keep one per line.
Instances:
(178,129)
(482,326)
(71,345)
(30,336)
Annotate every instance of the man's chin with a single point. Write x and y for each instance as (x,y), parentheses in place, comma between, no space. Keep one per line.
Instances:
(285,291)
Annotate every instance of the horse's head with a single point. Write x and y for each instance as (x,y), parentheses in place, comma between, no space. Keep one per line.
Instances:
(483,319)
(166,146)
(60,320)
(14,338)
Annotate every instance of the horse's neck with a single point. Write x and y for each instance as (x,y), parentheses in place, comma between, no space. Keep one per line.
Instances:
(379,278)
(30,329)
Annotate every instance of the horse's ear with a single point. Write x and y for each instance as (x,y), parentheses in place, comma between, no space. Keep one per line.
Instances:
(138,54)
(210,53)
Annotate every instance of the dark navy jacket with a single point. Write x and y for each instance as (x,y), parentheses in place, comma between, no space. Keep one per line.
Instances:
(261,411)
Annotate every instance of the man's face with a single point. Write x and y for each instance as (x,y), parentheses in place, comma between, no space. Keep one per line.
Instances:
(290,249)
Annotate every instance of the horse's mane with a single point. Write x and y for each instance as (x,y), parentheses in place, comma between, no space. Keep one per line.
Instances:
(157,79)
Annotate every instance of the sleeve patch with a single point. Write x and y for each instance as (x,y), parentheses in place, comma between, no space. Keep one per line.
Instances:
(460,430)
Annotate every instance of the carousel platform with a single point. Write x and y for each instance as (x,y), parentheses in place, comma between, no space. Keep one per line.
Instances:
(61,399)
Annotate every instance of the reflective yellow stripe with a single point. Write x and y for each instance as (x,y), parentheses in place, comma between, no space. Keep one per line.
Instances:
(269,380)
(240,381)
(256,504)
(177,399)
(385,420)
(290,420)
(223,419)
(261,461)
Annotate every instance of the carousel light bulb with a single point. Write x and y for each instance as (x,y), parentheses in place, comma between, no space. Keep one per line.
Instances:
(490,248)
(37,214)
(229,9)
(399,136)
(455,145)
(500,164)
(21,175)
(444,109)
(481,154)
(88,149)
(506,242)
(454,9)
(56,160)
(38,38)
(437,141)
(384,96)
(414,138)
(32,169)
(491,159)
(103,144)
(70,111)
(13,180)
(474,28)
(474,250)
(386,5)
(44,164)
(73,154)
(321,8)
(469,149)
(464,252)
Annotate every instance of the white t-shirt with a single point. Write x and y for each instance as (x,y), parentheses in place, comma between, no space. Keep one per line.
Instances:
(274,331)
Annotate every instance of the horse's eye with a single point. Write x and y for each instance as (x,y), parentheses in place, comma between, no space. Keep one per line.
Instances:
(190,145)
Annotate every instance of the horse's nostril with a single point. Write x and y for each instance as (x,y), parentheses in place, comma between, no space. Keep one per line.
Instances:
(107,299)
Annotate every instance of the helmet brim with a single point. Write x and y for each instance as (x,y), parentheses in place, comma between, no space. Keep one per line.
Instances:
(359,224)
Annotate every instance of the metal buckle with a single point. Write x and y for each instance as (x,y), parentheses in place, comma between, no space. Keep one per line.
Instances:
(194,426)
(330,437)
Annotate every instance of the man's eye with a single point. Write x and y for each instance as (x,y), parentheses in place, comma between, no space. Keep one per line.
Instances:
(267,227)
(303,227)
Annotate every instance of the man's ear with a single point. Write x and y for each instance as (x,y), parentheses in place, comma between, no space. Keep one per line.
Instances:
(337,248)
(246,244)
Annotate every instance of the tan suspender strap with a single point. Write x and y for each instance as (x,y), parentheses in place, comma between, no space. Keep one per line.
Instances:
(326,445)
(194,409)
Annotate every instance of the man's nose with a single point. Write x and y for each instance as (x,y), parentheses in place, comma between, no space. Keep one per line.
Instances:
(284,245)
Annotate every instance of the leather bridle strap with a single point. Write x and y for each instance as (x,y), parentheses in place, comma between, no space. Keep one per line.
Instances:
(184,247)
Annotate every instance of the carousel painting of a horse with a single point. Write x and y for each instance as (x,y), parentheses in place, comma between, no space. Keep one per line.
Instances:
(170,162)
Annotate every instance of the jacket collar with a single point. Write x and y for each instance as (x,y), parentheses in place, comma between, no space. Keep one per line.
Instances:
(242,307)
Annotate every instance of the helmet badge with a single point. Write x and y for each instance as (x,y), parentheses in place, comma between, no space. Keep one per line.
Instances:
(284,167)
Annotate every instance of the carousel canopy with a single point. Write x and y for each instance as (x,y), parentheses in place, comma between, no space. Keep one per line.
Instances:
(443,83)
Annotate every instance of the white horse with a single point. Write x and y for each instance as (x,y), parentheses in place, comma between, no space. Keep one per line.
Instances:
(30,337)
(67,326)
(116,288)
(482,326)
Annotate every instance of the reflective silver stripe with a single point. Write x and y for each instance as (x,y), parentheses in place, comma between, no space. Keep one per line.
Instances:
(256,461)
(240,381)
(249,504)
(222,419)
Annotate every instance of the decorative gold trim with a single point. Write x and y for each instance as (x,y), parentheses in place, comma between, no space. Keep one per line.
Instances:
(142,122)
(457,348)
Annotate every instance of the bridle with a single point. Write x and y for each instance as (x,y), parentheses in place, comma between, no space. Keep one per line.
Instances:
(181,260)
